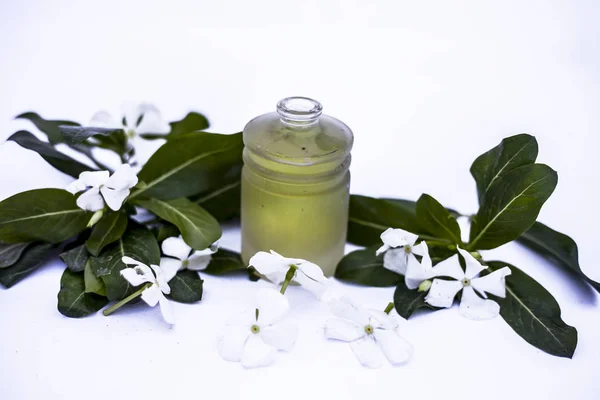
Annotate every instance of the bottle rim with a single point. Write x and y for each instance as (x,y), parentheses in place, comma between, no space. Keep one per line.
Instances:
(298,109)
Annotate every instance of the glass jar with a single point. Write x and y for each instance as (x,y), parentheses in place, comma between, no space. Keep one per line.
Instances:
(296,184)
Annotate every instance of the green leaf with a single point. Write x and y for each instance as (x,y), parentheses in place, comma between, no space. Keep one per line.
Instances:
(192,164)
(186,287)
(92,283)
(49,127)
(76,258)
(10,253)
(138,243)
(31,259)
(74,135)
(166,231)
(556,247)
(198,228)
(533,313)
(192,122)
(436,219)
(511,205)
(407,301)
(511,153)
(224,262)
(58,160)
(49,215)
(224,200)
(73,301)
(363,267)
(109,229)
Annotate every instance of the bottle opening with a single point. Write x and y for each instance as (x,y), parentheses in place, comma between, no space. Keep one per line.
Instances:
(299,110)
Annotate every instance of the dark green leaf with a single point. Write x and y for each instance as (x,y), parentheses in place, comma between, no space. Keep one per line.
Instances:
(109,229)
(49,127)
(192,122)
(225,261)
(511,205)
(224,200)
(407,301)
(363,267)
(186,287)
(10,253)
(165,231)
(73,301)
(436,219)
(31,259)
(198,228)
(76,258)
(74,135)
(192,164)
(533,313)
(557,247)
(511,153)
(138,243)
(93,284)
(58,160)
(49,215)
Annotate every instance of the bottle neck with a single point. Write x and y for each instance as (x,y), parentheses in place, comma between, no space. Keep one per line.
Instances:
(299,111)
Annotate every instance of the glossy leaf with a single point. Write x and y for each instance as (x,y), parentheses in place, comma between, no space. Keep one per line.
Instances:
(58,160)
(76,258)
(166,231)
(49,127)
(93,284)
(31,259)
(138,243)
(436,219)
(108,230)
(407,301)
(186,287)
(73,301)
(49,215)
(198,228)
(511,153)
(363,267)
(511,205)
(192,164)
(74,135)
(224,200)
(10,253)
(224,262)
(534,314)
(557,247)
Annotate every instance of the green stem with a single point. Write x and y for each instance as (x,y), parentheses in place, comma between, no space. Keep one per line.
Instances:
(288,278)
(389,308)
(126,300)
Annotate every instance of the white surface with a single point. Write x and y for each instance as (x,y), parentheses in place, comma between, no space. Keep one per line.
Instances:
(426,86)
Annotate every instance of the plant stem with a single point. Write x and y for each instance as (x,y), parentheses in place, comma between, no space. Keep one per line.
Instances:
(288,278)
(126,300)
(389,308)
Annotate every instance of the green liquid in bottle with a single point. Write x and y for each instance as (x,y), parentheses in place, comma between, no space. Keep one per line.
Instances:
(295,184)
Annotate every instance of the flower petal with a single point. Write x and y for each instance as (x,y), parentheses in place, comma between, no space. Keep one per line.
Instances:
(103,119)
(395,348)
(367,352)
(257,353)
(449,267)
(76,186)
(114,198)
(398,237)
(343,329)
(176,247)
(382,249)
(417,272)
(395,260)
(493,283)
(380,319)
(271,305)
(94,178)
(124,177)
(152,295)
(198,261)
(161,279)
(166,309)
(132,276)
(272,266)
(91,200)
(345,308)
(316,287)
(282,335)
(152,121)
(442,293)
(232,341)
(474,267)
(170,267)
(131,113)
(474,307)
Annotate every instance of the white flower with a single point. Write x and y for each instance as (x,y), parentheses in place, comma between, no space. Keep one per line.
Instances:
(371,333)
(254,336)
(143,118)
(101,187)
(153,294)
(442,292)
(184,256)
(275,267)
(399,247)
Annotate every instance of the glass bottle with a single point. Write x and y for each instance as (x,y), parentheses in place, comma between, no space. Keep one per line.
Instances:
(295,183)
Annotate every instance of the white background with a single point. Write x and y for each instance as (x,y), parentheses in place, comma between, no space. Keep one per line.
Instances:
(426,86)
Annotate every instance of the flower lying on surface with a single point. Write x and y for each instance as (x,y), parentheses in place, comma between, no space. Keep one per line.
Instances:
(182,256)
(442,292)
(399,247)
(101,187)
(371,333)
(280,269)
(143,118)
(254,336)
(153,293)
